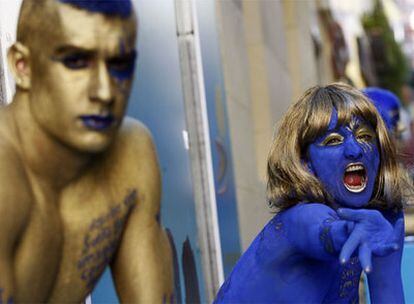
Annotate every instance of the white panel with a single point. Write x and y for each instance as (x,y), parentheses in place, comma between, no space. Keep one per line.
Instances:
(199,142)
(9,11)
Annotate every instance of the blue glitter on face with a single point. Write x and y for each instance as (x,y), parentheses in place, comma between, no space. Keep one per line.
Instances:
(121,8)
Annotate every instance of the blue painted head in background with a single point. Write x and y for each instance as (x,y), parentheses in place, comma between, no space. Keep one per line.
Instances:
(387,104)
(122,8)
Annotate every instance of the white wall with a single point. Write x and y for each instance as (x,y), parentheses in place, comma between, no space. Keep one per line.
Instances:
(268,61)
(258,91)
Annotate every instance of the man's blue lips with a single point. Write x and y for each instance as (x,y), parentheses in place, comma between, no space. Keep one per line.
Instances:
(98,122)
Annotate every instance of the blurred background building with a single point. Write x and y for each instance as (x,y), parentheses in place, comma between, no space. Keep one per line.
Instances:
(273,50)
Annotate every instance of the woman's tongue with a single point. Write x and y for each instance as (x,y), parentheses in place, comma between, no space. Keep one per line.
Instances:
(353,179)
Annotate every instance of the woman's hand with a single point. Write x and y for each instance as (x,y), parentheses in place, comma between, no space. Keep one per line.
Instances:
(372,234)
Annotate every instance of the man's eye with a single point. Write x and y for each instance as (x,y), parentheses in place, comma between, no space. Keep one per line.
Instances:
(76,62)
(122,64)
(332,140)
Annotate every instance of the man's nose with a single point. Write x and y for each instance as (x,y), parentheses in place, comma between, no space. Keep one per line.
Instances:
(353,150)
(100,87)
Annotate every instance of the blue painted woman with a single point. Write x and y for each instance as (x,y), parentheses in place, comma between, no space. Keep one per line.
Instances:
(333,177)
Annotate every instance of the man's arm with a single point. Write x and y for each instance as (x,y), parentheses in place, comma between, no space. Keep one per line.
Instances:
(142,268)
(6,276)
(14,212)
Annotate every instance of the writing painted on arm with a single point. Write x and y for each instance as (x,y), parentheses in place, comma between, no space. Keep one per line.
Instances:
(102,238)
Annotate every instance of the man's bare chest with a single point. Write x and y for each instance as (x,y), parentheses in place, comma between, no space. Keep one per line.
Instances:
(92,236)
(74,243)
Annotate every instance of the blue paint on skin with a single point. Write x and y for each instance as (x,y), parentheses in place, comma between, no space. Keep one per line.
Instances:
(122,8)
(329,161)
(311,253)
(295,258)
(288,262)
(98,122)
(122,68)
(387,104)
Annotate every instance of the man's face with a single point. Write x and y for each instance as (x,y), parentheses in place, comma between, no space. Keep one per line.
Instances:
(346,159)
(81,80)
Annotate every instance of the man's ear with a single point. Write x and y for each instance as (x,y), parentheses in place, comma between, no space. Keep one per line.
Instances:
(18,59)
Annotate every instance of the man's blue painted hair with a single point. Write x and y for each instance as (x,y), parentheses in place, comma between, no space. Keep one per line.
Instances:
(121,8)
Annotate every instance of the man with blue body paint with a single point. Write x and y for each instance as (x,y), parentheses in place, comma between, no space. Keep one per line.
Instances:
(80,183)
(333,175)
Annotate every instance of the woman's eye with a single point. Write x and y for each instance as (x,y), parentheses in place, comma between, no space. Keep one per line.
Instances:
(332,141)
(365,137)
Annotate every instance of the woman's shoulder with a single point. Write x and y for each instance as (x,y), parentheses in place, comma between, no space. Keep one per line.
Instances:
(307,209)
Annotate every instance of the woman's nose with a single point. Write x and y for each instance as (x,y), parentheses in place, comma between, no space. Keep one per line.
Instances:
(352,150)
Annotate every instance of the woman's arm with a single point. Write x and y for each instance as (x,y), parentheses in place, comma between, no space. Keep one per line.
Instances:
(385,283)
(315,230)
(378,238)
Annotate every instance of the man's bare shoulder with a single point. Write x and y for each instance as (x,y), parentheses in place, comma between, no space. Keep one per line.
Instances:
(134,144)
(135,134)
(133,156)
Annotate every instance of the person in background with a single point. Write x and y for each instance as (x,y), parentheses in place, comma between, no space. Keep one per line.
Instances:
(398,123)
(389,106)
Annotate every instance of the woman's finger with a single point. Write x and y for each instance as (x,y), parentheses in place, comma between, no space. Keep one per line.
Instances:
(386,249)
(349,247)
(364,255)
(351,214)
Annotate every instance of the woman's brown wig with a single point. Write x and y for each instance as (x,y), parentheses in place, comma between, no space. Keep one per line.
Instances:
(289,180)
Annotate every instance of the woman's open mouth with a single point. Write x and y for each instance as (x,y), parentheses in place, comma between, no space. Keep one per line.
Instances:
(355,177)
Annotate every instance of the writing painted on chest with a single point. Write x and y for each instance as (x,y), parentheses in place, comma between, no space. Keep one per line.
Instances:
(350,276)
